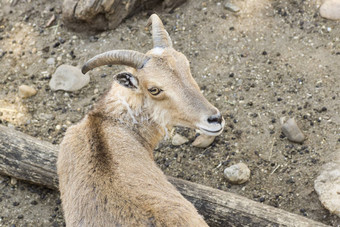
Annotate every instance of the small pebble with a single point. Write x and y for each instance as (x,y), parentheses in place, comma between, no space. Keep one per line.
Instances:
(26,91)
(93,38)
(56,44)
(237,174)
(203,141)
(50,61)
(61,40)
(34,202)
(303,212)
(291,130)
(14,181)
(231,7)
(178,140)
(46,49)
(45,116)
(73,56)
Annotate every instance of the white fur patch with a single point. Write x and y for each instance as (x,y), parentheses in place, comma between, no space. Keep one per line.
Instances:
(130,112)
(157,51)
(166,133)
(127,106)
(134,81)
(140,115)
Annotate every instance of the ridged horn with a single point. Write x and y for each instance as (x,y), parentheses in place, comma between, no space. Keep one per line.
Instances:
(116,57)
(160,36)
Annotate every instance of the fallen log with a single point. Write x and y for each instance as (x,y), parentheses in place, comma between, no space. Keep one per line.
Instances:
(27,158)
(108,14)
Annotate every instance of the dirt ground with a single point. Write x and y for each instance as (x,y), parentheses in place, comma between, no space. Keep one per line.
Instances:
(273,59)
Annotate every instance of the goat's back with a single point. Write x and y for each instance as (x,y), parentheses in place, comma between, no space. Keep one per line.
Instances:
(119,185)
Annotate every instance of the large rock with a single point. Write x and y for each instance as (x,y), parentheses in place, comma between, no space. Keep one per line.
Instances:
(179,140)
(330,9)
(203,141)
(107,14)
(237,174)
(327,185)
(26,91)
(68,78)
(292,131)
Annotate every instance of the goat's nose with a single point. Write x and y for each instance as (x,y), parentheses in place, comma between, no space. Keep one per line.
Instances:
(213,119)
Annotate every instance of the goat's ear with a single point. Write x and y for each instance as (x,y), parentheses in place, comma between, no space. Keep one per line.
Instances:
(127,80)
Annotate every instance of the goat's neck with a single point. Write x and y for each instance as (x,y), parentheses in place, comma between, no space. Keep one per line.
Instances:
(127,109)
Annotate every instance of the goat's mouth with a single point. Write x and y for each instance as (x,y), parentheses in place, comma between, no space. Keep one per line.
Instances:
(210,132)
(211,129)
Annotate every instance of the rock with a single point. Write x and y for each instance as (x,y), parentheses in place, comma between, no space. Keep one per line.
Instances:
(203,141)
(330,9)
(237,174)
(2,53)
(50,61)
(45,116)
(68,78)
(13,181)
(292,131)
(327,186)
(26,91)
(231,7)
(178,140)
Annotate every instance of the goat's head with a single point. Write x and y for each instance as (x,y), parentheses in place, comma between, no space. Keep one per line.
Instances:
(162,76)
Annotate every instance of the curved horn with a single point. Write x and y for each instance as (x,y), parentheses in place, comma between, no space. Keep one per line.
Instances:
(160,36)
(116,57)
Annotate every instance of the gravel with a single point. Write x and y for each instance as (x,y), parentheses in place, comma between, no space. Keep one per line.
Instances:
(268,51)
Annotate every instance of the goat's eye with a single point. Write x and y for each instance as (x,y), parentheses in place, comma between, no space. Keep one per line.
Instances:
(155,90)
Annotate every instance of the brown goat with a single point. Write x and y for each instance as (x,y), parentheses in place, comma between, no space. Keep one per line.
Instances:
(107,175)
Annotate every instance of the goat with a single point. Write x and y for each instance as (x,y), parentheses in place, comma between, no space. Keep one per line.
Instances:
(107,174)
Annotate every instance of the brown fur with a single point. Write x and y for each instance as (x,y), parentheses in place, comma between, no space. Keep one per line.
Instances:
(106,170)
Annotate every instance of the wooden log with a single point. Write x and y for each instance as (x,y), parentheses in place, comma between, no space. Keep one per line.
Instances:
(27,158)
(107,14)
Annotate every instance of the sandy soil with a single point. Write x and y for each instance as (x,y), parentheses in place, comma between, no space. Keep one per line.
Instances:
(273,59)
